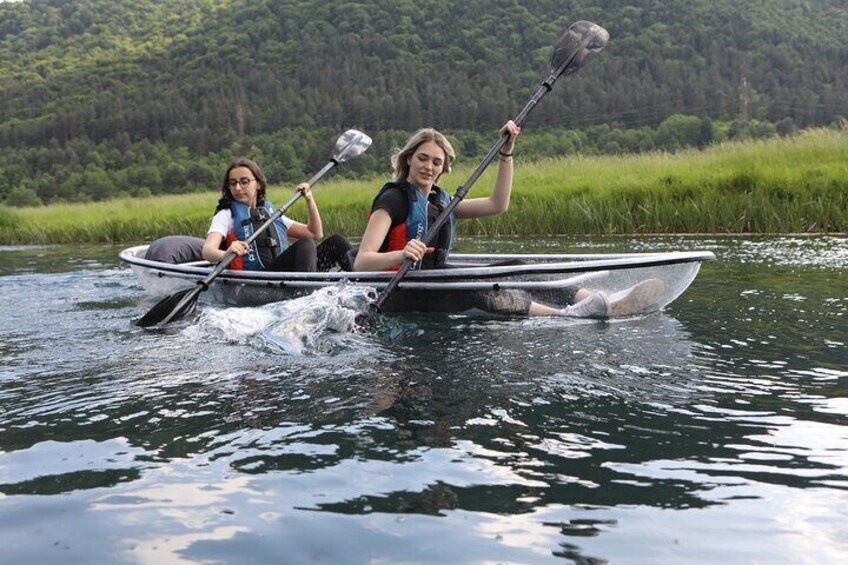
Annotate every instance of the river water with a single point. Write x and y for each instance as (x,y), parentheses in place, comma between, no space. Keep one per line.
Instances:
(713,432)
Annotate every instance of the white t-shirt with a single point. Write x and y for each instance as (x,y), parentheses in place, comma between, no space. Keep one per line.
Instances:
(222,222)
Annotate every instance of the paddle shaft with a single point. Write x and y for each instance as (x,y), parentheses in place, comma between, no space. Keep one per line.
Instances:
(228,258)
(519,120)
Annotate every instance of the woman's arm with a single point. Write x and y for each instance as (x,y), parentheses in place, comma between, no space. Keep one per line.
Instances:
(212,251)
(498,202)
(369,257)
(221,223)
(313,229)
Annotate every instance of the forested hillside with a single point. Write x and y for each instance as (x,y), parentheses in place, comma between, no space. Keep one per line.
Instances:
(99,97)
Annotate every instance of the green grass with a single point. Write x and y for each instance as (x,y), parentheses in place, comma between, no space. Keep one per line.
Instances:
(781,185)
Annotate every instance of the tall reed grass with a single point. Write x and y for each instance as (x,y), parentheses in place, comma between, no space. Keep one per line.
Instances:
(780,185)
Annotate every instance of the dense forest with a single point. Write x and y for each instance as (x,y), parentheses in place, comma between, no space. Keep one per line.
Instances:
(101,98)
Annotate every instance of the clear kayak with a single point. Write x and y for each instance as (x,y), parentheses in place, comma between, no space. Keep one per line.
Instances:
(549,279)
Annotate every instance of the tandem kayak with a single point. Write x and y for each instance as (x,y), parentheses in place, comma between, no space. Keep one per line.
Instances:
(549,279)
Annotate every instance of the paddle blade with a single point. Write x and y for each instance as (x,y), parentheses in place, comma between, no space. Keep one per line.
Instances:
(368,319)
(580,42)
(351,144)
(171,308)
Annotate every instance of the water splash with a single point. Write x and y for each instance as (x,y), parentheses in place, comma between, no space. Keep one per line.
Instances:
(320,322)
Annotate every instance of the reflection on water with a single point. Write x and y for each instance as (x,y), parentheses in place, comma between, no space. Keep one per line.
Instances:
(712,432)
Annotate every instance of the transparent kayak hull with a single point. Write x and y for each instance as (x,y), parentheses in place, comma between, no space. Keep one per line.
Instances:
(549,279)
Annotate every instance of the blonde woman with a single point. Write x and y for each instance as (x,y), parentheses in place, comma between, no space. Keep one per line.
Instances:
(406,206)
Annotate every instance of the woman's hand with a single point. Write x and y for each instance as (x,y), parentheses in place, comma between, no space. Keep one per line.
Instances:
(238,247)
(513,130)
(498,202)
(306,190)
(313,228)
(416,250)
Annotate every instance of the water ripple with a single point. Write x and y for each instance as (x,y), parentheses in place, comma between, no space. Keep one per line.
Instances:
(268,431)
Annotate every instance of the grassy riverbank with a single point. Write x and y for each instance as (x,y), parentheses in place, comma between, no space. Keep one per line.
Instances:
(782,185)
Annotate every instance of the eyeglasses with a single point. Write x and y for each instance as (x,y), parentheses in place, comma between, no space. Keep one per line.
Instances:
(243,181)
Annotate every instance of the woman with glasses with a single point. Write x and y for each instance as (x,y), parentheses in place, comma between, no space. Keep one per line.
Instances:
(243,208)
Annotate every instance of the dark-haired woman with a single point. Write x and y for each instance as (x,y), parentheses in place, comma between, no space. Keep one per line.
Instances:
(243,208)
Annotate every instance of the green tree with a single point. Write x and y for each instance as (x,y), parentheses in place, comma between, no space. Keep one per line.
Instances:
(679,131)
(22,197)
(97,184)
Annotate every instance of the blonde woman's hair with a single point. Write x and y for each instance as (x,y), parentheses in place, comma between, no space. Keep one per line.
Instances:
(400,159)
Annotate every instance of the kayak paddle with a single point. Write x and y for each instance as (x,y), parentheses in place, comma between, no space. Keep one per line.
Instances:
(349,145)
(581,41)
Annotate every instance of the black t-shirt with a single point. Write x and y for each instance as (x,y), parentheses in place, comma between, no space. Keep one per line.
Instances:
(396,203)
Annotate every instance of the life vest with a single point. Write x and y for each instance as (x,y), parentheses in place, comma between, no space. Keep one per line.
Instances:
(418,219)
(267,247)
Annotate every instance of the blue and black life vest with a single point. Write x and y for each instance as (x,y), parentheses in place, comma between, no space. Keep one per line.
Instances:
(267,247)
(418,219)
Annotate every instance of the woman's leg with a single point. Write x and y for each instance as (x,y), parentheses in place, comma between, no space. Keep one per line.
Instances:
(300,257)
(514,302)
(333,252)
(506,302)
(537,309)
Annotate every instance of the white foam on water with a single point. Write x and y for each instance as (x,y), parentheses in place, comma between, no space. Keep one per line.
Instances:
(297,326)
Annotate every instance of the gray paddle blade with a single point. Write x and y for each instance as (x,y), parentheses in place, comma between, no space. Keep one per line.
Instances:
(350,144)
(580,42)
